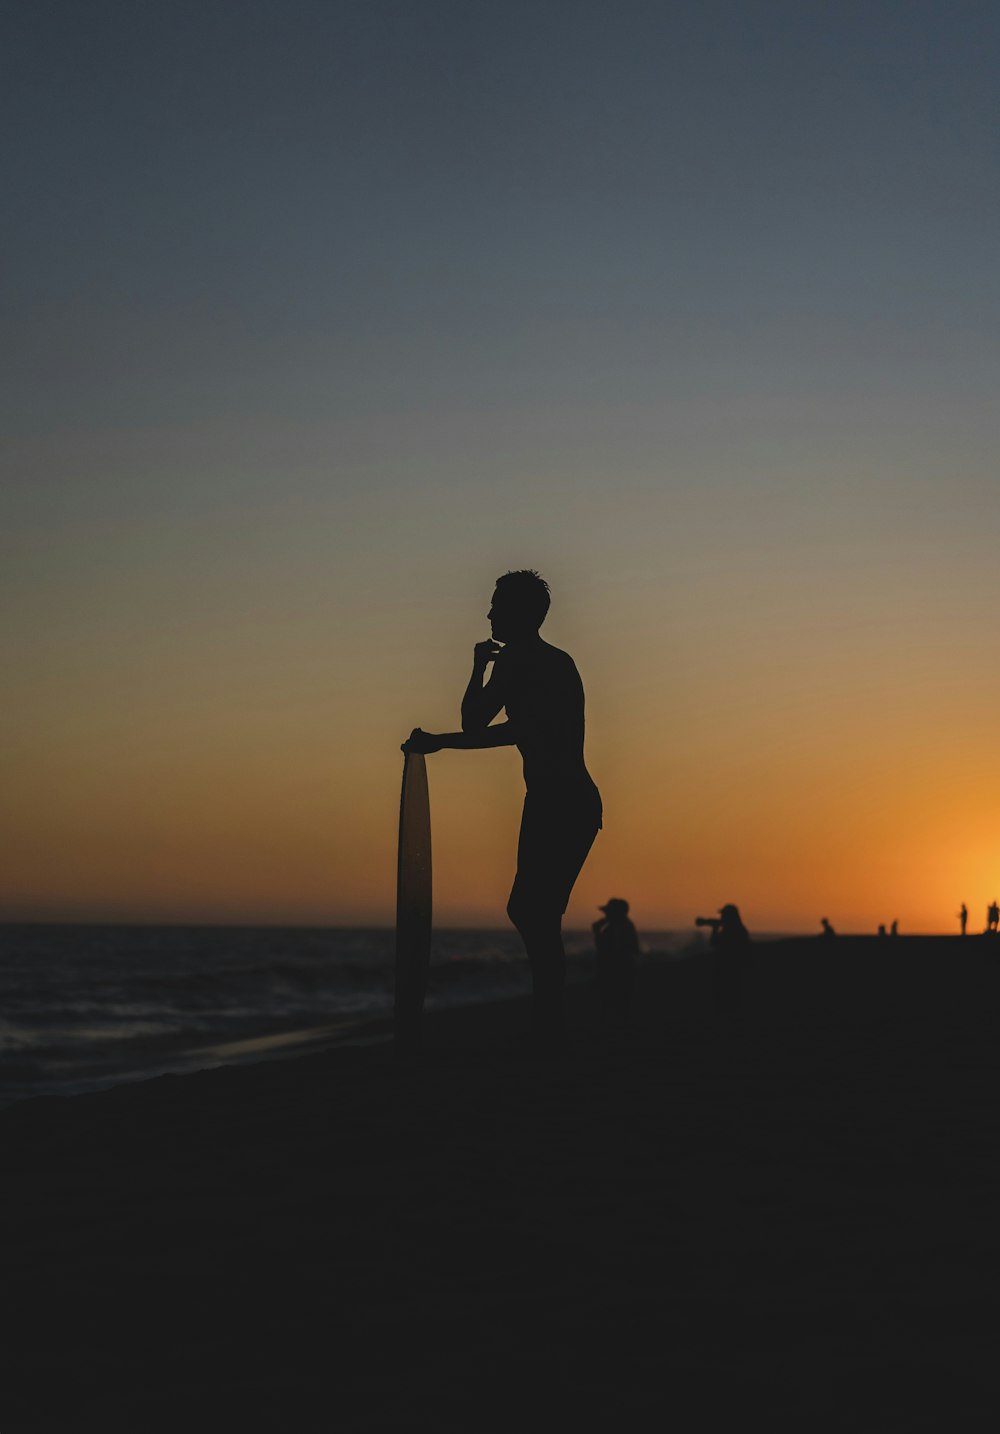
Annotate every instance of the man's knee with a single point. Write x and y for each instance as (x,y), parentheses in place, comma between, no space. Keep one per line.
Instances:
(533,917)
(518,912)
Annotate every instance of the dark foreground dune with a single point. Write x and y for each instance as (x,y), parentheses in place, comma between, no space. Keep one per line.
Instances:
(786,1215)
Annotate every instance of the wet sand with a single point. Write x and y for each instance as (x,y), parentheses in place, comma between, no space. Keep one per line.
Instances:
(785,1212)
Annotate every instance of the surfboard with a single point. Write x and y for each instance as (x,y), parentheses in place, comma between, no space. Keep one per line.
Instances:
(413,901)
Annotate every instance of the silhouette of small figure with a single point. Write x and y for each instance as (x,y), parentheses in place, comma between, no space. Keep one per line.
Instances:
(617,946)
(963,917)
(894,929)
(540,689)
(881,929)
(992,917)
(729,941)
(827,928)
(728,931)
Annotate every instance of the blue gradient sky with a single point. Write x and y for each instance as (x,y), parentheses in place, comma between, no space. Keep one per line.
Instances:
(320,315)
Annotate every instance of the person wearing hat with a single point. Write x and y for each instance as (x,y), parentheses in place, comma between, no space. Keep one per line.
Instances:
(617,948)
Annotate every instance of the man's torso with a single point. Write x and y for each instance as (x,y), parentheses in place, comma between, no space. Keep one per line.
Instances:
(543,697)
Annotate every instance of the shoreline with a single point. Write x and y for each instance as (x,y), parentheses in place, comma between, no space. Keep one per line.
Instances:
(782,1212)
(182,1058)
(102,1064)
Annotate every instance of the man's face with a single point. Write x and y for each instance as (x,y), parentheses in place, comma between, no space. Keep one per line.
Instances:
(496,617)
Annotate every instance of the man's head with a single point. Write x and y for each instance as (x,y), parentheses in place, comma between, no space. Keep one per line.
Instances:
(520,602)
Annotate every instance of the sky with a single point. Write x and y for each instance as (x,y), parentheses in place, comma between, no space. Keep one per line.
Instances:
(320,316)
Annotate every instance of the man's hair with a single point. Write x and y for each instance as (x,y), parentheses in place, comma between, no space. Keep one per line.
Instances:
(527,593)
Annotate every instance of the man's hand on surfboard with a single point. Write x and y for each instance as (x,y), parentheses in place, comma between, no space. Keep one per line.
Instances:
(421,741)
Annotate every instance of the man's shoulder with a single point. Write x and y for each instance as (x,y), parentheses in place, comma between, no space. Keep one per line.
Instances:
(543,664)
(541,655)
(557,658)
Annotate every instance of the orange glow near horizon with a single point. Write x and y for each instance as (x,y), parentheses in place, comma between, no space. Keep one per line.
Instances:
(210,852)
(786,757)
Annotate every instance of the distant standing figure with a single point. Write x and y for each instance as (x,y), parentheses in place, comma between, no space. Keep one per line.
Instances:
(881,929)
(894,929)
(617,945)
(729,940)
(963,917)
(827,928)
(992,916)
(728,931)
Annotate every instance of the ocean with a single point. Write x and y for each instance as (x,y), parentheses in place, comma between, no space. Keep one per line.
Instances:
(82,1007)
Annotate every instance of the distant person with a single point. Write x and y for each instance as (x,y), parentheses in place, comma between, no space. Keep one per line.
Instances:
(992,917)
(540,689)
(617,944)
(963,917)
(827,928)
(728,931)
(881,929)
(894,929)
(729,941)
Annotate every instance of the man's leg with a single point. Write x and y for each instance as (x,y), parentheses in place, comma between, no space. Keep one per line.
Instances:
(551,850)
(541,932)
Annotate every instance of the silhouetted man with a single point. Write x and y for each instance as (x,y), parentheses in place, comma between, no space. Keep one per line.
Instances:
(992,916)
(540,689)
(963,917)
(827,928)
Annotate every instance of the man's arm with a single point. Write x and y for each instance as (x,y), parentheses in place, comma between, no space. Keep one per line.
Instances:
(502,735)
(481,704)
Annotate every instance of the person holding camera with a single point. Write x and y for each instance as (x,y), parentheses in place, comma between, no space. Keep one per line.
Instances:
(729,941)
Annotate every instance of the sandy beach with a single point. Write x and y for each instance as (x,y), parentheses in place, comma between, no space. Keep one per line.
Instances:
(787,1212)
